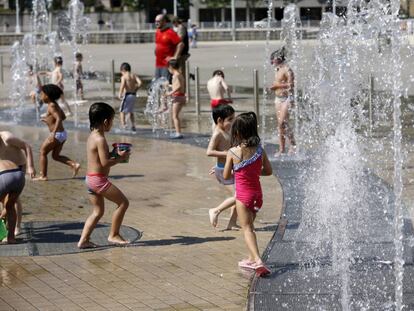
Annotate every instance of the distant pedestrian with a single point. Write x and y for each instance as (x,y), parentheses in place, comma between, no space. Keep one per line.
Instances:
(247,161)
(181,30)
(130,83)
(168,46)
(100,161)
(193,36)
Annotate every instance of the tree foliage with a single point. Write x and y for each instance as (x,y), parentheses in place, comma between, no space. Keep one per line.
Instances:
(216,4)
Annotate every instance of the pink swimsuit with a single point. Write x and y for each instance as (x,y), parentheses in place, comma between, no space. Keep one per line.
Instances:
(247,181)
(97,183)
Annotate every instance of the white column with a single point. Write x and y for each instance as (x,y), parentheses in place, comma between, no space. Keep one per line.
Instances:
(233,21)
(17,17)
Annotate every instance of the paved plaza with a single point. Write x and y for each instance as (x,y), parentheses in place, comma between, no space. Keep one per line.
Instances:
(180,263)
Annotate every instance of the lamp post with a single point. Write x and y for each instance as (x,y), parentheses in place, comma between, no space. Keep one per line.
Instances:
(49,6)
(17,17)
(175,7)
(233,21)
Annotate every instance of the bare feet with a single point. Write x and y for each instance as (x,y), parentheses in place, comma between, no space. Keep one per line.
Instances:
(213,214)
(40,178)
(87,244)
(292,150)
(17,231)
(278,154)
(76,169)
(118,240)
(233,227)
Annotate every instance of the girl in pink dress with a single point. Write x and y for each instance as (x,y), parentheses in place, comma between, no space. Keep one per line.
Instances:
(247,161)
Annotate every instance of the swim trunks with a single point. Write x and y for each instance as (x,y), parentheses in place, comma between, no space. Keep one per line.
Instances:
(97,183)
(61,136)
(128,103)
(178,97)
(218,172)
(218,101)
(11,181)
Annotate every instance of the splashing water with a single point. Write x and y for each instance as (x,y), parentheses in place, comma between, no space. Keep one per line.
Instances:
(338,212)
(157,110)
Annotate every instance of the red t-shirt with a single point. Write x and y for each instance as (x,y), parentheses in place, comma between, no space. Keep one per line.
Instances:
(166,42)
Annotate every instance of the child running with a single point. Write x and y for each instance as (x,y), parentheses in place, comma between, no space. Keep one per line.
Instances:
(35,85)
(177,94)
(223,116)
(101,117)
(56,77)
(54,143)
(78,73)
(247,161)
(130,83)
(11,185)
(20,153)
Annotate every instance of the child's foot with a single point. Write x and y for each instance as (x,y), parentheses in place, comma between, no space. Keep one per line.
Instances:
(247,264)
(133,128)
(75,170)
(278,154)
(213,214)
(176,136)
(161,110)
(233,227)
(118,240)
(292,150)
(17,231)
(86,244)
(40,178)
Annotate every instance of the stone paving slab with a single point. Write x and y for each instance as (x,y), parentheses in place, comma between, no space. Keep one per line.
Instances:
(180,263)
(45,238)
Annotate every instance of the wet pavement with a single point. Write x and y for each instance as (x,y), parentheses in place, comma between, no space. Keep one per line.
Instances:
(180,262)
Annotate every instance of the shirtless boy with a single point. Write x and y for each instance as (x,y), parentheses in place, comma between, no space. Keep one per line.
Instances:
(54,143)
(130,83)
(283,87)
(217,88)
(223,116)
(20,153)
(78,73)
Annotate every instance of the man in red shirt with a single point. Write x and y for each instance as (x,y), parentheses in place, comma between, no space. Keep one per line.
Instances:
(168,46)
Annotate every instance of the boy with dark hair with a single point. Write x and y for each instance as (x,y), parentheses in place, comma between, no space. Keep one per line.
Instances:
(130,83)
(223,116)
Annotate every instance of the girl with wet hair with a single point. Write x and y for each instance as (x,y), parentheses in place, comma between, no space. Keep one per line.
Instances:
(247,161)
(54,142)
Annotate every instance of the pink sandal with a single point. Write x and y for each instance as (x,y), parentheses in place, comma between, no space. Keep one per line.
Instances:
(261,270)
(247,264)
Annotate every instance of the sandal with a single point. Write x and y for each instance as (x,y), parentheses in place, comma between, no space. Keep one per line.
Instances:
(246,264)
(261,270)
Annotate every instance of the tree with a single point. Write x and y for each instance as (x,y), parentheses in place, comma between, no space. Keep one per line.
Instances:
(135,5)
(216,4)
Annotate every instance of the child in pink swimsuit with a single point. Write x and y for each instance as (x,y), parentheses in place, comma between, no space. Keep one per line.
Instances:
(247,161)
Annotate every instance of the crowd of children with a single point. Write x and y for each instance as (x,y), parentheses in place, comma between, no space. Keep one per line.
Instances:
(240,158)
